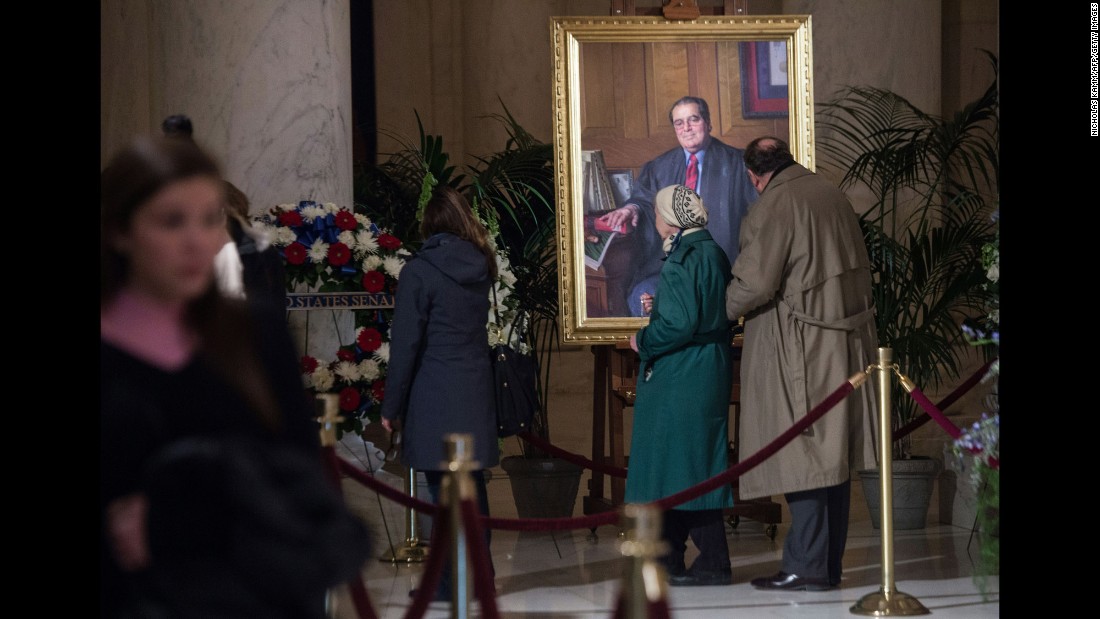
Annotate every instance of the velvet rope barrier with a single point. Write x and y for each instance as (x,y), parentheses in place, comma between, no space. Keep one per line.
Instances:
(558,452)
(359,596)
(931,409)
(611,517)
(484,588)
(655,609)
(433,569)
(959,391)
(766,451)
(387,490)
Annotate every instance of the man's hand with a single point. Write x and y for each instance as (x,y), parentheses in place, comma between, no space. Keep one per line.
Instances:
(621,215)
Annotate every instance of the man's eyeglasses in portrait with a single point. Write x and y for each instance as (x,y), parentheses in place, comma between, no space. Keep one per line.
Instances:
(682,123)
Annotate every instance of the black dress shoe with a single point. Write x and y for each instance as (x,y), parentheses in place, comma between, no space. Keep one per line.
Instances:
(674,568)
(791,582)
(701,578)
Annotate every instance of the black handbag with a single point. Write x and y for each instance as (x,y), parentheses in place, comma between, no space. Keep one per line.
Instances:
(515,381)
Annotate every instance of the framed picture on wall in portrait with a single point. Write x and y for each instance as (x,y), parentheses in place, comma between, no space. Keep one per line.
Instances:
(764,79)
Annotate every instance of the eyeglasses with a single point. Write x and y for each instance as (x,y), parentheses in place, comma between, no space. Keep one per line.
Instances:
(681,123)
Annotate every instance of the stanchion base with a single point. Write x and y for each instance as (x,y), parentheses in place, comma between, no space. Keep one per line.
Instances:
(406,554)
(881,604)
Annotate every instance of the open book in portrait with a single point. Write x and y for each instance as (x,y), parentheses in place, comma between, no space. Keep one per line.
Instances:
(601,196)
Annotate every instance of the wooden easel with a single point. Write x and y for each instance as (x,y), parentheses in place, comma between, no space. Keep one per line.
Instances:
(616,370)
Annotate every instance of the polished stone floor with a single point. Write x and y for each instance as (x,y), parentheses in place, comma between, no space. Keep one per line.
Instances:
(575,574)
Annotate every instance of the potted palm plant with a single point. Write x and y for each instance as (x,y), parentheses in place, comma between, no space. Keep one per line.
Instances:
(513,191)
(934,183)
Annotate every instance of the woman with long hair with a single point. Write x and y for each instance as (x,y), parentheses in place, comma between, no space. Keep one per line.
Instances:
(180,362)
(439,380)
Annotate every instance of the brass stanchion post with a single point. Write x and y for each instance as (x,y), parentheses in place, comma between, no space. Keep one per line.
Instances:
(644,578)
(887,601)
(329,418)
(413,551)
(457,486)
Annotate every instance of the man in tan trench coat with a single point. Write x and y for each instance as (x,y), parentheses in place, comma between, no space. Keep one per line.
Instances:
(803,283)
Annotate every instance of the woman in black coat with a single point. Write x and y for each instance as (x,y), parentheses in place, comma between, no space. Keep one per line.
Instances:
(438,379)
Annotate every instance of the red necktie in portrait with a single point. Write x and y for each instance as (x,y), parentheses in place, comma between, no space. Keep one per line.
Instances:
(692,172)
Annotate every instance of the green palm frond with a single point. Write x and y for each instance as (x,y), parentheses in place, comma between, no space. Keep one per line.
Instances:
(935,183)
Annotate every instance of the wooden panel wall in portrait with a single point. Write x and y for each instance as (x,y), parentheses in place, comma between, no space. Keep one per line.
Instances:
(629,87)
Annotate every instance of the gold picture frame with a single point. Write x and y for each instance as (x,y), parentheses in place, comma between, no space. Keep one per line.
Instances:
(614,81)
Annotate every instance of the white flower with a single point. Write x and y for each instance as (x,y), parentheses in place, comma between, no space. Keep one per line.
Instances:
(321,379)
(287,207)
(331,207)
(347,237)
(318,252)
(281,236)
(347,371)
(393,266)
(365,243)
(310,213)
(382,355)
(369,369)
(364,221)
(371,263)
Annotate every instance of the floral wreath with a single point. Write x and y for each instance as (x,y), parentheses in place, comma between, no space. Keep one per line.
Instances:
(329,248)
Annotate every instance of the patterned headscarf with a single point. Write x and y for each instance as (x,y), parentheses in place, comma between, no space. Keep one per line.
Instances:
(682,208)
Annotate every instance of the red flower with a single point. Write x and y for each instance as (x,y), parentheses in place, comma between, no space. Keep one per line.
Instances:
(345,354)
(290,219)
(296,253)
(373,281)
(338,254)
(994,463)
(345,220)
(369,339)
(349,399)
(308,364)
(388,241)
(378,389)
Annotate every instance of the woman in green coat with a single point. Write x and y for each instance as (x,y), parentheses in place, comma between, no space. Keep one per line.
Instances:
(681,413)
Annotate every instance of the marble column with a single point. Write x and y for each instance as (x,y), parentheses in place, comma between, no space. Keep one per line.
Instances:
(267,84)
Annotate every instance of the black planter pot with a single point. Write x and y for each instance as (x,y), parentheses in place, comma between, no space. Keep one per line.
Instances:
(543,487)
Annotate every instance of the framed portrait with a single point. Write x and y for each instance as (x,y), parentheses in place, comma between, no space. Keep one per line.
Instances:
(763,79)
(615,81)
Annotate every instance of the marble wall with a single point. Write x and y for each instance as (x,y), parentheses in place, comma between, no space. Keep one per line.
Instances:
(267,84)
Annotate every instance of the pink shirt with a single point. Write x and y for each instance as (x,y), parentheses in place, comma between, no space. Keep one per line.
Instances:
(148,329)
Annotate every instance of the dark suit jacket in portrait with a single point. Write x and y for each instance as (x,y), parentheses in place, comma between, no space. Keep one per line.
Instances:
(726,192)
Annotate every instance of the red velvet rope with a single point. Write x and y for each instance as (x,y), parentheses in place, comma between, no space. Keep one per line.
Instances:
(657,609)
(433,568)
(923,418)
(616,471)
(484,588)
(764,453)
(359,596)
(931,409)
(387,490)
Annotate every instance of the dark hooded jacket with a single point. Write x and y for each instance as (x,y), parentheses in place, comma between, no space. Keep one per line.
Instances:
(439,379)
